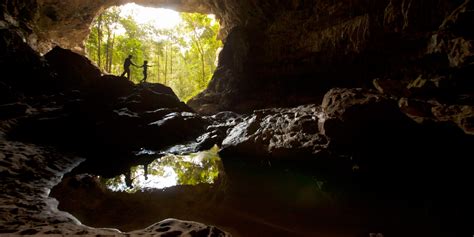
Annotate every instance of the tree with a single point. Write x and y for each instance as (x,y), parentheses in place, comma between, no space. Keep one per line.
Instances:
(110,21)
(105,24)
(182,57)
(203,34)
(99,39)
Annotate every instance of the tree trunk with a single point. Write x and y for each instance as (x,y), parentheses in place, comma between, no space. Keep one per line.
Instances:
(201,54)
(171,63)
(107,50)
(99,40)
(111,57)
(203,82)
(203,64)
(157,67)
(166,65)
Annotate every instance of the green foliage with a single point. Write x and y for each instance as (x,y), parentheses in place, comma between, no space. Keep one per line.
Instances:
(170,170)
(183,57)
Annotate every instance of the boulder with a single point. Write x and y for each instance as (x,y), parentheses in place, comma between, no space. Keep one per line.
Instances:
(156,129)
(109,88)
(150,116)
(416,109)
(222,124)
(174,128)
(382,141)
(433,111)
(146,99)
(74,70)
(358,119)
(390,87)
(174,227)
(281,133)
(461,115)
(158,88)
(453,40)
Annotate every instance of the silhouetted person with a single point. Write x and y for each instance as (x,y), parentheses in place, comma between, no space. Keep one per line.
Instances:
(145,169)
(145,70)
(126,66)
(128,179)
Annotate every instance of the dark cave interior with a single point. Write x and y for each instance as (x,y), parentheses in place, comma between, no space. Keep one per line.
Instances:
(326,118)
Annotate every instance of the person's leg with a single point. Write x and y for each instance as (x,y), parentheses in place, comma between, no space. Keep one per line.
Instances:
(128,74)
(123,74)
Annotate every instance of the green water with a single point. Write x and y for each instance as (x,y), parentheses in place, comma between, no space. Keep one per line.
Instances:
(169,170)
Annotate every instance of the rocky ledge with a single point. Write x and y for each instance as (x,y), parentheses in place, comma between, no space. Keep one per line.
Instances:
(29,172)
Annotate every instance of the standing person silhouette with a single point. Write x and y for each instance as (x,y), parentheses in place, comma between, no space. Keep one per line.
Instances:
(145,70)
(126,66)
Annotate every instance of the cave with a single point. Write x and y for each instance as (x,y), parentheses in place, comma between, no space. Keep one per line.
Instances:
(322,118)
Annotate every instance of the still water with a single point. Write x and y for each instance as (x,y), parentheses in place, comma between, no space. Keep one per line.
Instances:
(167,171)
(243,198)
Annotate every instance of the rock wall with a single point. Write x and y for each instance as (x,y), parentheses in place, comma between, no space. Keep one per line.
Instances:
(292,52)
(286,52)
(48,23)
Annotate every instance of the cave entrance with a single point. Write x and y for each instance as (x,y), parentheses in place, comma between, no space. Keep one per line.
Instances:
(180,48)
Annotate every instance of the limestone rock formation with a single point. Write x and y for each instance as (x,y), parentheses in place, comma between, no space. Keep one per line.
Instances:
(290,133)
(48,23)
(72,68)
(432,111)
(292,52)
(356,128)
(360,118)
(181,228)
(216,132)
(347,120)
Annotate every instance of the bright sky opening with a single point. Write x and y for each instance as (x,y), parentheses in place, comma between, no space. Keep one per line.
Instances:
(159,17)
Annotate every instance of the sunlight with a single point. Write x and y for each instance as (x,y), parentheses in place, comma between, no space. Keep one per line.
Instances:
(159,17)
(180,47)
(168,171)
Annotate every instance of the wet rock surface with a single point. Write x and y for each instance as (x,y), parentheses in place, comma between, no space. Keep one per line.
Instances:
(290,133)
(29,172)
(361,118)
(173,227)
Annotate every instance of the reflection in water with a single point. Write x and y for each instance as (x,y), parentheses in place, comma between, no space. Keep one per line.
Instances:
(169,170)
